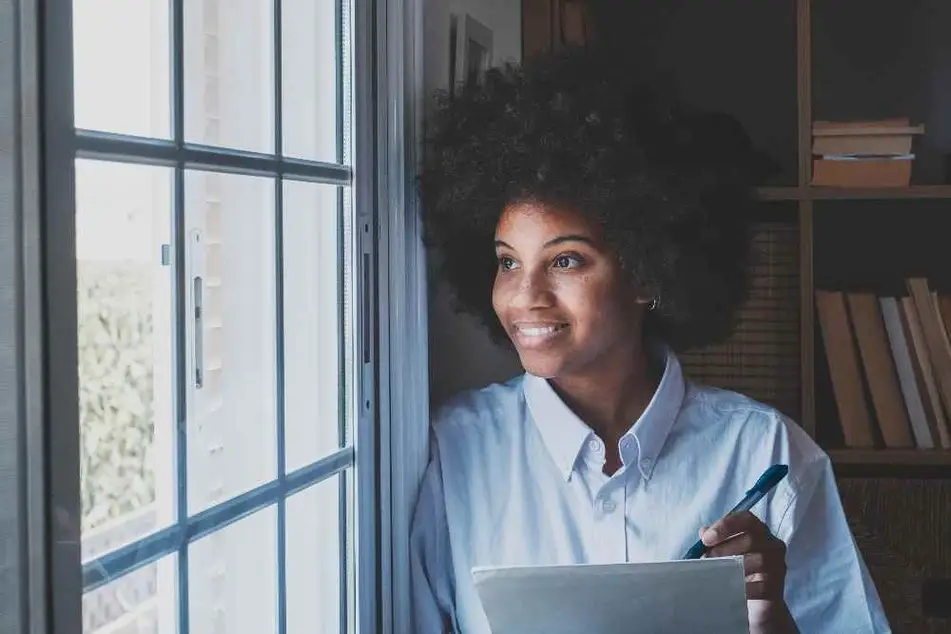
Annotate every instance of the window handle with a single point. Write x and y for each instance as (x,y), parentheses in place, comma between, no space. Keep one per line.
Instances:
(199,333)
(367,306)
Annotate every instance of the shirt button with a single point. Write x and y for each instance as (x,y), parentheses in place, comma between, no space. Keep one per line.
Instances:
(595,445)
(626,443)
(646,464)
(608,506)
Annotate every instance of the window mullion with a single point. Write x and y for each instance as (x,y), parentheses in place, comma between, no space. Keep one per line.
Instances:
(107,146)
(180,359)
(279,323)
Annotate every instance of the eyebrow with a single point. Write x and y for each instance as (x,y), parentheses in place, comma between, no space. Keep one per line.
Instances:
(554,241)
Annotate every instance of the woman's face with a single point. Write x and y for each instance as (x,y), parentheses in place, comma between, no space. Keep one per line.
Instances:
(559,292)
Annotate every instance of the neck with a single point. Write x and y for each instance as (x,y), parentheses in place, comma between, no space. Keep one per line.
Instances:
(612,394)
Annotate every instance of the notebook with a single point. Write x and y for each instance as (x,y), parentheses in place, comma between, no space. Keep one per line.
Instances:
(701,595)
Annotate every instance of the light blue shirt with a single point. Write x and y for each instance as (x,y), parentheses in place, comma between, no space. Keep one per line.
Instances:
(516,478)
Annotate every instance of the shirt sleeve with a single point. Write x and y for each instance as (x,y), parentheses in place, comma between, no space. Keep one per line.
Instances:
(430,558)
(828,587)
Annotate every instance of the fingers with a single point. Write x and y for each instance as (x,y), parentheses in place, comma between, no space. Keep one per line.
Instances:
(750,543)
(736,545)
(766,588)
(765,575)
(733,524)
(764,555)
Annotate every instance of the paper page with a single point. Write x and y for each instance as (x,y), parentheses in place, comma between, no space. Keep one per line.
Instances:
(702,595)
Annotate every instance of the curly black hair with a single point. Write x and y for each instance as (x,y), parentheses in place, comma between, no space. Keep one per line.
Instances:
(671,186)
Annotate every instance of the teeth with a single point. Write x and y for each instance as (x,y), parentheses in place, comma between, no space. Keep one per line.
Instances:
(538,331)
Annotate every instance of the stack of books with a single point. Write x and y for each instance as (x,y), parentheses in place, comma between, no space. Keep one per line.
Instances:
(863,153)
(889,360)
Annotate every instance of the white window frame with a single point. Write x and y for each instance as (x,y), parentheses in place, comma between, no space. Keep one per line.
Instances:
(391,433)
(404,302)
(23,509)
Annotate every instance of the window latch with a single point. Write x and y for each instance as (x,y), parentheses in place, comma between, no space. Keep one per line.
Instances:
(199,335)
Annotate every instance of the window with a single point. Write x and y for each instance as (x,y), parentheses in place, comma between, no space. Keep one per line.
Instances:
(224,340)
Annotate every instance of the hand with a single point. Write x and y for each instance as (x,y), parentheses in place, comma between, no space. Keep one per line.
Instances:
(764,562)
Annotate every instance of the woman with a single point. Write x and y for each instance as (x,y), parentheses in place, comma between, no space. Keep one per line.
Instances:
(580,221)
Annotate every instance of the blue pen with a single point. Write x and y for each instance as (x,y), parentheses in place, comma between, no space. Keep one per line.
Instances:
(767,481)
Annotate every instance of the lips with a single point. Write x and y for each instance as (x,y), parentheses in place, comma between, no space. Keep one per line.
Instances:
(534,334)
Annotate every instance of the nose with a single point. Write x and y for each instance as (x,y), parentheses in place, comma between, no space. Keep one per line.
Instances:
(532,290)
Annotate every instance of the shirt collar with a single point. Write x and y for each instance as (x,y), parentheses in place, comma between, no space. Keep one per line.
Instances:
(567,437)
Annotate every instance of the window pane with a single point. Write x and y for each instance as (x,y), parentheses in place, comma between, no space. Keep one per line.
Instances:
(351,319)
(124,299)
(122,72)
(144,601)
(314,559)
(312,312)
(310,70)
(232,578)
(231,369)
(229,73)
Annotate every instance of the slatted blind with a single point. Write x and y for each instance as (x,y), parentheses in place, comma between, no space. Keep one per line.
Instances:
(761,357)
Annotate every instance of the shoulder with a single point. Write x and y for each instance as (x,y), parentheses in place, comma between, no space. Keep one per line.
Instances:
(487,411)
(753,427)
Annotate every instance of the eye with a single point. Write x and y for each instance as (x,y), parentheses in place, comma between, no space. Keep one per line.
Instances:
(506,263)
(568,261)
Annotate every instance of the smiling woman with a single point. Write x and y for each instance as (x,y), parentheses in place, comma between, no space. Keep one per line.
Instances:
(589,226)
(557,293)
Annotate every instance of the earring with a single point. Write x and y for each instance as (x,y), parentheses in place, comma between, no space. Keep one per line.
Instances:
(653,304)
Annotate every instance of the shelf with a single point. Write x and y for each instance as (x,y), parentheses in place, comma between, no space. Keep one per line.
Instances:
(892,463)
(901,457)
(854,193)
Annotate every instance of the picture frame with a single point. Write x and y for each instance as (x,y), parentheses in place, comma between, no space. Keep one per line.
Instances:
(470,51)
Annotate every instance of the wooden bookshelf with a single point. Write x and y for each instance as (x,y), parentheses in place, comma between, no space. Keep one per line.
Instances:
(777,67)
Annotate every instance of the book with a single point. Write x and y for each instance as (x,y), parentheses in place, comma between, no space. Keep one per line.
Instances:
(863,153)
(889,362)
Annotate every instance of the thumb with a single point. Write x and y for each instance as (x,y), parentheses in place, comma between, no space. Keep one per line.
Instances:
(703,529)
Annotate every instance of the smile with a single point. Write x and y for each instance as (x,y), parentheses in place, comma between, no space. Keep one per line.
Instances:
(537,334)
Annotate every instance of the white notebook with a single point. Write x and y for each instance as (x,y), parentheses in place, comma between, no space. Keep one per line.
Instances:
(701,595)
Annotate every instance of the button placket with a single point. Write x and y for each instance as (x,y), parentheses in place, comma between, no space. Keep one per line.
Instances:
(610,537)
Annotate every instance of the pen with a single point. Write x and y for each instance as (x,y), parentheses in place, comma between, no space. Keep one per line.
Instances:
(767,481)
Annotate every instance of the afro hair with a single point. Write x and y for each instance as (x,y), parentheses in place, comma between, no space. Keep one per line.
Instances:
(672,187)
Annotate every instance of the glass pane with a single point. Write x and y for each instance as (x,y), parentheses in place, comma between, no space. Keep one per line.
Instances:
(314,559)
(310,70)
(122,72)
(232,578)
(351,317)
(229,73)
(312,312)
(125,336)
(231,368)
(144,601)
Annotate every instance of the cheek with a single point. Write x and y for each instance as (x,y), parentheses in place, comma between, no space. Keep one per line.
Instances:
(584,293)
(498,295)
(593,304)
